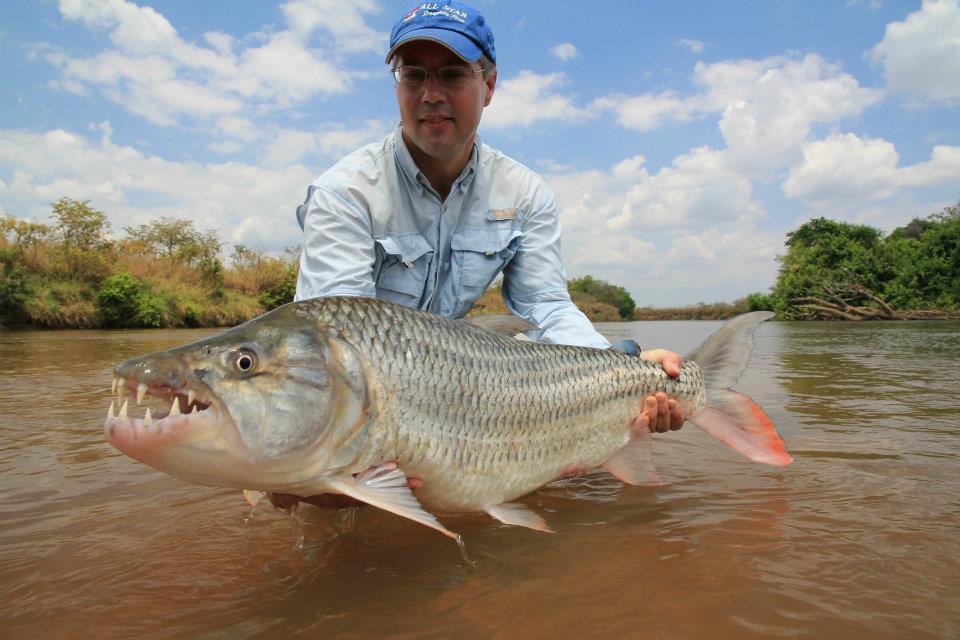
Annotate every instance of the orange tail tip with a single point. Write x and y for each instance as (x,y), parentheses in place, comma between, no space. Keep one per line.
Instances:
(741,424)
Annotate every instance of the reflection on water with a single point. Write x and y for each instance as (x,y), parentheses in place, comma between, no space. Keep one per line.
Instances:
(857,538)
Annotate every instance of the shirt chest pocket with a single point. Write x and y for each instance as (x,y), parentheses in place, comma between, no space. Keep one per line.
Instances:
(404,265)
(478,255)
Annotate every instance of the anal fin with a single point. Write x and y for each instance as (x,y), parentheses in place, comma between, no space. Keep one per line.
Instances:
(519,515)
(386,487)
(633,464)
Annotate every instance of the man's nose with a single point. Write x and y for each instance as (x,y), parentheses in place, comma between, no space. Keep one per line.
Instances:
(433,90)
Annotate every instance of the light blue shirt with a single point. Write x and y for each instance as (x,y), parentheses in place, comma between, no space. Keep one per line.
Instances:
(373,226)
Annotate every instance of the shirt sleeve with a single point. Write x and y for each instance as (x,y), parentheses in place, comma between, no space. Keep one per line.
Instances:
(535,286)
(338,249)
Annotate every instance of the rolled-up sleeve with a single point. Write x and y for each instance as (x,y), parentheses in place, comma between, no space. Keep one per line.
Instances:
(535,287)
(338,249)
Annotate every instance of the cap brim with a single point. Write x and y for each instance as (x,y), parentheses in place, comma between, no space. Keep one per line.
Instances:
(460,44)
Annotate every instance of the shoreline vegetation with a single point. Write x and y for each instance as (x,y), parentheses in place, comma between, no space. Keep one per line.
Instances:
(166,273)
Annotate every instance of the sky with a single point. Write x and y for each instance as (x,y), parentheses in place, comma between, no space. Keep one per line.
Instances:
(682,140)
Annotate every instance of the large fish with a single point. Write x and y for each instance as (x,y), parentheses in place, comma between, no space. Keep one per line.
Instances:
(306,399)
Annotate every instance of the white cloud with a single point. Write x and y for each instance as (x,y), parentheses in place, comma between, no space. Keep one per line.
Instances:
(846,171)
(646,112)
(343,22)
(529,97)
(921,54)
(564,51)
(664,235)
(331,142)
(694,45)
(153,72)
(246,203)
(767,106)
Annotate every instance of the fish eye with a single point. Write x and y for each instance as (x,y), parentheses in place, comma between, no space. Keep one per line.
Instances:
(244,361)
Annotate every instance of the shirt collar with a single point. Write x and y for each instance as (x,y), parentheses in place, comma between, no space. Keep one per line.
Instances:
(416,177)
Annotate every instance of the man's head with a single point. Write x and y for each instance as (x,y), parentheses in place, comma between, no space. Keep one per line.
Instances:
(444,62)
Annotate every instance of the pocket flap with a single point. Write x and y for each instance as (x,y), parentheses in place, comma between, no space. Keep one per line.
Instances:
(486,241)
(408,246)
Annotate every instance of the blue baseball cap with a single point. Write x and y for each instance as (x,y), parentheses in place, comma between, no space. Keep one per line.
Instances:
(456,25)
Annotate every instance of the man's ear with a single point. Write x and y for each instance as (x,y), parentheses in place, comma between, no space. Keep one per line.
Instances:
(491,82)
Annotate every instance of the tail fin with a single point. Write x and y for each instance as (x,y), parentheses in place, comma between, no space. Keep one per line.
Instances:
(730,416)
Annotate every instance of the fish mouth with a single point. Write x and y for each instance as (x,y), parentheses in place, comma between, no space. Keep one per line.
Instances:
(178,417)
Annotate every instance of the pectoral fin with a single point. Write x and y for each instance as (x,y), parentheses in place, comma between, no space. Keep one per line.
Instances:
(517,514)
(253,497)
(386,487)
(501,324)
(633,464)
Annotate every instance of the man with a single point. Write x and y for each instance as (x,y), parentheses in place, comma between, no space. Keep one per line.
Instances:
(430,216)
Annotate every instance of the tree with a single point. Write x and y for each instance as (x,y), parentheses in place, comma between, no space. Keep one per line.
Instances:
(176,239)
(23,233)
(202,249)
(843,270)
(824,252)
(163,236)
(604,292)
(79,226)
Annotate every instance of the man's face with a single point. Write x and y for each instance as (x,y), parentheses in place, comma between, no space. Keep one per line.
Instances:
(441,121)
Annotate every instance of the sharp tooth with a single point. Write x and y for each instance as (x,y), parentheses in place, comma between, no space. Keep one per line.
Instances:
(194,409)
(190,396)
(175,407)
(113,386)
(123,410)
(147,418)
(121,392)
(141,390)
(110,413)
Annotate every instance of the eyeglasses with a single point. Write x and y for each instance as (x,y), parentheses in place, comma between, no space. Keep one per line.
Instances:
(453,77)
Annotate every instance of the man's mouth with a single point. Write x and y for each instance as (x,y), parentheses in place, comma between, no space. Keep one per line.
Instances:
(437,118)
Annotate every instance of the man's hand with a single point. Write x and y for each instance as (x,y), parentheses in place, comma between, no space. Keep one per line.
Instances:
(658,413)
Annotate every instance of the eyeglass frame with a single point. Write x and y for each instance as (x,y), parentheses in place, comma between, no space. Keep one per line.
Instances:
(395,72)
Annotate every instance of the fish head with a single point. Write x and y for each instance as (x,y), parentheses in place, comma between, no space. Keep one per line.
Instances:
(253,407)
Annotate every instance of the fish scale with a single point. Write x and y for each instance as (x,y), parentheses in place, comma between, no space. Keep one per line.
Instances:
(483,418)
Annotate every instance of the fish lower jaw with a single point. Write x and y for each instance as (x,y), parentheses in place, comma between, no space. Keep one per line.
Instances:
(149,439)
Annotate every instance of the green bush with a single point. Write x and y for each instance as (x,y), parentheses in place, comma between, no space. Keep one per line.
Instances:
(152,311)
(280,292)
(192,314)
(14,288)
(604,292)
(126,302)
(760,302)
(117,299)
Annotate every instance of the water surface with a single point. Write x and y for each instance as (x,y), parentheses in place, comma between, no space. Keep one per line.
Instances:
(858,538)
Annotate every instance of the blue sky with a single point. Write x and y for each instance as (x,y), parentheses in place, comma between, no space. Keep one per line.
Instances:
(683,140)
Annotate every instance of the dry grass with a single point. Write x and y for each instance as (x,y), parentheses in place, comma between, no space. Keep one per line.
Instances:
(701,311)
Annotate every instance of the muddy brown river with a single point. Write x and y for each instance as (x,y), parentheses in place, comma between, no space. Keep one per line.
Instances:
(858,538)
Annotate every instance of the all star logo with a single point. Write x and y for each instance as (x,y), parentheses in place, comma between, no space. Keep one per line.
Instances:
(412,13)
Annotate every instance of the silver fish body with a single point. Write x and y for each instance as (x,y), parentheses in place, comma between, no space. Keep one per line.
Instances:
(305,399)
(484,418)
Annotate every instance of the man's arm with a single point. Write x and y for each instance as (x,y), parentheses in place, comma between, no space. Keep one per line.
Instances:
(338,248)
(535,286)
